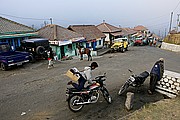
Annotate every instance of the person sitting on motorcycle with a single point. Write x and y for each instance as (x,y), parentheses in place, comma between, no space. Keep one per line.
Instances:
(156,74)
(85,75)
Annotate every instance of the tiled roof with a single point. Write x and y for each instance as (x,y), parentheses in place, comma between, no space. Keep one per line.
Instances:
(140,28)
(90,32)
(156,36)
(55,32)
(128,31)
(105,27)
(11,27)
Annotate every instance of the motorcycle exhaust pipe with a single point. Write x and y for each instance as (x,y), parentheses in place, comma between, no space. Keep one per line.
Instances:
(86,102)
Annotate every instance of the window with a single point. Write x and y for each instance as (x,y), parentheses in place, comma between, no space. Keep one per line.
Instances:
(99,42)
(70,46)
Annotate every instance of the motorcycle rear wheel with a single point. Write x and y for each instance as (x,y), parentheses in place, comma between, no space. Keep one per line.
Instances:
(106,95)
(72,103)
(123,89)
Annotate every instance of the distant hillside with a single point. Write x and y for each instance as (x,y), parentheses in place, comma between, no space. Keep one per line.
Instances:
(173,38)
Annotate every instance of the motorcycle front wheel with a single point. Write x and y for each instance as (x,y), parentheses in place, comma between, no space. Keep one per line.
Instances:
(72,103)
(123,88)
(106,95)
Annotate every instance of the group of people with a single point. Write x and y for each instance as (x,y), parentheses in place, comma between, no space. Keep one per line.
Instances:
(86,75)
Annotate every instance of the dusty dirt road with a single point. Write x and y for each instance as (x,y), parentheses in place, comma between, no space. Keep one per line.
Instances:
(33,92)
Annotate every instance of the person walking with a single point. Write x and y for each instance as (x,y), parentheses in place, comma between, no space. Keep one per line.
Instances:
(50,58)
(156,74)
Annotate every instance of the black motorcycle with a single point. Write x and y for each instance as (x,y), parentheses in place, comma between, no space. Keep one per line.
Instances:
(134,81)
(77,99)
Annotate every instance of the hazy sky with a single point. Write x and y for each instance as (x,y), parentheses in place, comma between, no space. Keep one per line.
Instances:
(154,14)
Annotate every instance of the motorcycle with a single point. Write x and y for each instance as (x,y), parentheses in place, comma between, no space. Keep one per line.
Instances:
(77,99)
(134,81)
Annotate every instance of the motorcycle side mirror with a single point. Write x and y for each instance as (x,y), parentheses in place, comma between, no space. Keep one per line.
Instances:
(130,70)
(104,74)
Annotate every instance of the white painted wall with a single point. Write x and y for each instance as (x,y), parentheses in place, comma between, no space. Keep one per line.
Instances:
(172,47)
(107,39)
(99,45)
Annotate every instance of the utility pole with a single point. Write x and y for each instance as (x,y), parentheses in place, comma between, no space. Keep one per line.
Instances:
(177,21)
(51,20)
(165,33)
(170,22)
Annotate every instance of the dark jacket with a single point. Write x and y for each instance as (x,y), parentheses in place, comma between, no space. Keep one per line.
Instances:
(158,69)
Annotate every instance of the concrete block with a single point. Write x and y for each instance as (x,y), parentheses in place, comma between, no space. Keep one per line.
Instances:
(158,82)
(171,82)
(166,80)
(168,77)
(129,100)
(167,84)
(173,79)
(177,84)
(166,93)
(164,76)
(163,83)
(178,80)
(162,79)
(173,86)
(178,88)
(169,88)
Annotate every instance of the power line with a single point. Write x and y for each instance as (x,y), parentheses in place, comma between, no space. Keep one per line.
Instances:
(176,6)
(22,17)
(158,24)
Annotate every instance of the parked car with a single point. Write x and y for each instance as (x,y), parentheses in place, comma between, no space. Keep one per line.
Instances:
(9,58)
(37,48)
(120,44)
(138,43)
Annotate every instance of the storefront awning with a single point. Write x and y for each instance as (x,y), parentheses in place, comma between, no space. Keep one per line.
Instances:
(79,39)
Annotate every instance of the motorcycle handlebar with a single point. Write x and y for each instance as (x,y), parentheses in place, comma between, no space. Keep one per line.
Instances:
(132,72)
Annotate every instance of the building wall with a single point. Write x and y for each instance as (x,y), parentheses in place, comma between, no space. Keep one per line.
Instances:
(99,43)
(57,50)
(69,51)
(107,39)
(14,42)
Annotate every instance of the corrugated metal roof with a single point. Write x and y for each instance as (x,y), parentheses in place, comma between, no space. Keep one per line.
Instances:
(90,32)
(11,27)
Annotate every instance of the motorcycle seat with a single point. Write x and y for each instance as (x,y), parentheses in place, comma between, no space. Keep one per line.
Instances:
(144,74)
(75,90)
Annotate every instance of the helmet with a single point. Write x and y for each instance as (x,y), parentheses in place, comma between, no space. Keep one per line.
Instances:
(161,59)
(94,64)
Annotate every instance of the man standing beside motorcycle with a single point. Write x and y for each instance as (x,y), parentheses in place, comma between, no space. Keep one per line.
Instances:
(85,75)
(156,74)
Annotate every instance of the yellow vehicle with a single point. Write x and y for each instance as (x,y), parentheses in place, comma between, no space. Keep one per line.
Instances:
(120,44)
